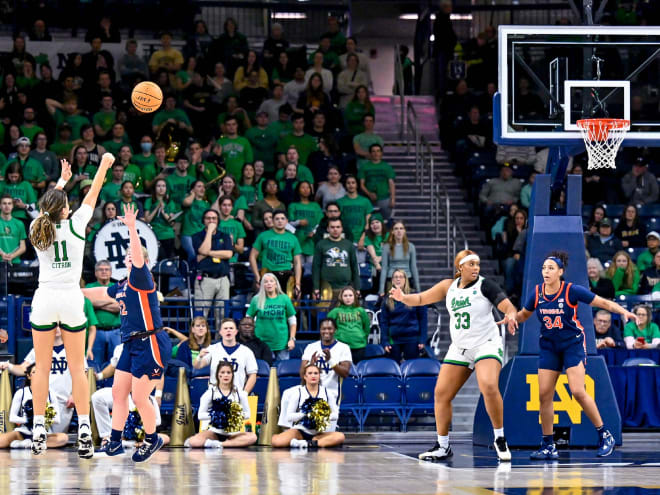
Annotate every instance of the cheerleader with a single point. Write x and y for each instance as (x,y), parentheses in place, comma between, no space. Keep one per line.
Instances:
(301,435)
(562,346)
(21,414)
(217,436)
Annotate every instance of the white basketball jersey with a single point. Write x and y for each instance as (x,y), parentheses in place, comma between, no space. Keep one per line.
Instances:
(471,321)
(242,359)
(60,266)
(338,352)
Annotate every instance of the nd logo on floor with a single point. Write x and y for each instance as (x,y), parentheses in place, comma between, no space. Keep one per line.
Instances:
(566,402)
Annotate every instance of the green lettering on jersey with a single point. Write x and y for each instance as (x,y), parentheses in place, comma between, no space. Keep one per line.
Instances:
(460,303)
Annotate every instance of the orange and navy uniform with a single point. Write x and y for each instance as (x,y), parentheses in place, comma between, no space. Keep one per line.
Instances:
(562,341)
(146,346)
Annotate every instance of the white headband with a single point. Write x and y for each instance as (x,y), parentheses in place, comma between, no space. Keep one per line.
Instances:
(469,257)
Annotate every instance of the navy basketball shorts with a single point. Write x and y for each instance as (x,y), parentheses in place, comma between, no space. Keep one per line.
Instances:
(558,355)
(146,356)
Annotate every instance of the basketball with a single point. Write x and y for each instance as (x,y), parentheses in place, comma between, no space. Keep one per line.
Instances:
(147,97)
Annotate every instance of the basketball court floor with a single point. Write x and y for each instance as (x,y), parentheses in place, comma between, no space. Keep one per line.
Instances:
(360,467)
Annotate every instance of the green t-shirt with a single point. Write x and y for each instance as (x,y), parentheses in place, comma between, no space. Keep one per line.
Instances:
(376,243)
(176,114)
(179,187)
(62,149)
(264,142)
(365,140)
(87,169)
(277,250)
(92,320)
(239,204)
(23,191)
(235,229)
(304,173)
(376,177)
(112,146)
(252,194)
(30,132)
(192,217)
(311,212)
(353,213)
(354,114)
(280,128)
(271,324)
(644,260)
(161,227)
(33,170)
(236,153)
(106,319)
(105,120)
(110,192)
(353,325)
(75,121)
(12,231)
(133,174)
(121,211)
(649,333)
(143,161)
(304,144)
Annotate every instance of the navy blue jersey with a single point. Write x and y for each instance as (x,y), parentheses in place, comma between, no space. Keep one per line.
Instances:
(558,312)
(138,303)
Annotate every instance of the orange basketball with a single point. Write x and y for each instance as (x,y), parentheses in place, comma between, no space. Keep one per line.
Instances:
(147,97)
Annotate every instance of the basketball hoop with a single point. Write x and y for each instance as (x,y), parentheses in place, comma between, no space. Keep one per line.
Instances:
(603,137)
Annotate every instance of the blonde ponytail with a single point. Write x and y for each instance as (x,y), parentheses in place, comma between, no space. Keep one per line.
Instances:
(42,232)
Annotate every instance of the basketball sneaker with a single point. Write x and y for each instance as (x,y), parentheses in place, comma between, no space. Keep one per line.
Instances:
(502,449)
(85,442)
(547,452)
(605,444)
(110,448)
(39,437)
(146,450)
(20,444)
(436,453)
(298,444)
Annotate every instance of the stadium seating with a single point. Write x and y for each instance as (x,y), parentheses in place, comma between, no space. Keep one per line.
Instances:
(374,351)
(382,388)
(419,376)
(351,391)
(288,373)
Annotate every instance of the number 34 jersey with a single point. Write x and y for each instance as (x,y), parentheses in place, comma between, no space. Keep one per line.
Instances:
(60,266)
(471,319)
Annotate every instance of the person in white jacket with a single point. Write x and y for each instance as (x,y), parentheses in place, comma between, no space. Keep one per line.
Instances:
(215,437)
(299,435)
(20,414)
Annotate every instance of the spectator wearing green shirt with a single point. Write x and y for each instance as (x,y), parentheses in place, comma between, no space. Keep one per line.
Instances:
(12,232)
(363,141)
(330,57)
(236,150)
(107,313)
(159,212)
(194,206)
(81,169)
(373,242)
(645,259)
(32,170)
(249,186)
(170,114)
(132,172)
(105,117)
(23,194)
(280,253)
(29,128)
(337,38)
(355,210)
(179,183)
(305,214)
(644,334)
(110,190)
(377,181)
(145,157)
(292,157)
(335,261)
(303,143)
(63,144)
(118,138)
(108,214)
(624,274)
(282,126)
(275,317)
(270,202)
(67,111)
(263,140)
(159,169)
(126,198)
(202,169)
(352,321)
(229,187)
(230,226)
(356,109)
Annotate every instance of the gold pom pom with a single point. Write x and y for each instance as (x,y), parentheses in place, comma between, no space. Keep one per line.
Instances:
(235,418)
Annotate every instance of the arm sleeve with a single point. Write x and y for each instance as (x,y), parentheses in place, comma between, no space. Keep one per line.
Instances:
(141,279)
(204,404)
(577,293)
(492,292)
(252,309)
(15,410)
(290,310)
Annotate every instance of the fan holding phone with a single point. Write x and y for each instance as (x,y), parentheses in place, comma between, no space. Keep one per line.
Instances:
(642,335)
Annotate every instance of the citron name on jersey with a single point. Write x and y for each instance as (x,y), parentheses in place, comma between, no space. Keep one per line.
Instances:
(61,264)
(460,303)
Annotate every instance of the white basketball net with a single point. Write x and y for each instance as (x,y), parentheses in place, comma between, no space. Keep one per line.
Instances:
(603,137)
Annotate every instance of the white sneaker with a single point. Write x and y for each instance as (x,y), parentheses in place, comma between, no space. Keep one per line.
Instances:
(20,444)
(502,449)
(298,444)
(436,453)
(186,444)
(39,437)
(213,444)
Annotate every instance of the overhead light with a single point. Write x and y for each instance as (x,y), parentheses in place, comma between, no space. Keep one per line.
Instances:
(453,17)
(413,17)
(288,15)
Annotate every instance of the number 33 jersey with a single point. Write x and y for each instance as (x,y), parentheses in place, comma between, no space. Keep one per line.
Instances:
(60,266)
(471,319)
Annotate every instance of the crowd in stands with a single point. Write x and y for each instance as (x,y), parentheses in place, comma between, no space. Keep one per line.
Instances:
(264,159)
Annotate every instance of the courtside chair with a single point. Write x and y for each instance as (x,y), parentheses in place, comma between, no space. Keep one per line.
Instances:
(382,388)
(419,378)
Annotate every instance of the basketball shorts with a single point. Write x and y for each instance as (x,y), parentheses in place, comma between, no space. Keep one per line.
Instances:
(146,356)
(492,349)
(53,307)
(558,355)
